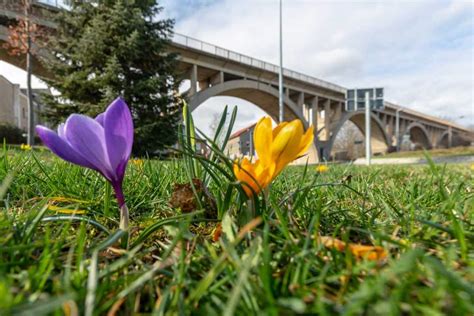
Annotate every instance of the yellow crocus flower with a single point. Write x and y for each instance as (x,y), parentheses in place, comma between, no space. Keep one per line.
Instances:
(25,147)
(322,168)
(137,162)
(275,149)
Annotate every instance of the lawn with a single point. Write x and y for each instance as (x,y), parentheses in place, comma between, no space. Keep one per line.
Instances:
(274,264)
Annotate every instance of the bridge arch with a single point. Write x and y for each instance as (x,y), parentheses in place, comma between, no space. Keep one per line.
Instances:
(418,135)
(262,95)
(380,140)
(442,140)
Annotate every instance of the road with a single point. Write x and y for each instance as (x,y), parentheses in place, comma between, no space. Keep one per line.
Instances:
(416,160)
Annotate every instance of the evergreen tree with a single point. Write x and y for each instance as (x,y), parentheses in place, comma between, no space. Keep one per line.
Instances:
(103,49)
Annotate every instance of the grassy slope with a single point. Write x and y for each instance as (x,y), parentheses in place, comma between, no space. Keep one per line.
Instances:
(423,215)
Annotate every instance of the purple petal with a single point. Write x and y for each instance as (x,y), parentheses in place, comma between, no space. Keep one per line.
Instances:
(87,137)
(118,126)
(100,119)
(60,147)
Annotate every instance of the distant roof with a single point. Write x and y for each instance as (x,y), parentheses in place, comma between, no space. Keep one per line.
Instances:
(242,130)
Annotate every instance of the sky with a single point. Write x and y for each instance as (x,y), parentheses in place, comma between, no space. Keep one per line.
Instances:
(421,52)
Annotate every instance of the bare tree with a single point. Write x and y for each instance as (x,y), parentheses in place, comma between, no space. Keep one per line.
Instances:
(216,118)
(214,124)
(349,142)
(23,39)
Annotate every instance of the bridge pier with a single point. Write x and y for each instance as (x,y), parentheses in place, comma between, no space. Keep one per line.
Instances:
(450,137)
(327,120)
(193,75)
(324,152)
(314,114)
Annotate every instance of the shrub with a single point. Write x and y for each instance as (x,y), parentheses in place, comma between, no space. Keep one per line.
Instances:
(12,134)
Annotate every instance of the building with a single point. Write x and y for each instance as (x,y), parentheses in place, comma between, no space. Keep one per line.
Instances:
(14,104)
(241,143)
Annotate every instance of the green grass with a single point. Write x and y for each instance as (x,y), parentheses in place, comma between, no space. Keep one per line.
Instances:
(423,216)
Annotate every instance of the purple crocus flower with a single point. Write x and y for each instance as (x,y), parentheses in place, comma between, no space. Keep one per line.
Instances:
(103,144)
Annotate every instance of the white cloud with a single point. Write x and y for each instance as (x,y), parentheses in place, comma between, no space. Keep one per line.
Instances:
(421,51)
(247,113)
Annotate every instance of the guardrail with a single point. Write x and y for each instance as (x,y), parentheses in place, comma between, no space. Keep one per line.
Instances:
(194,43)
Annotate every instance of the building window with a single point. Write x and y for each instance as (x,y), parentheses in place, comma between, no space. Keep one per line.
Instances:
(24,113)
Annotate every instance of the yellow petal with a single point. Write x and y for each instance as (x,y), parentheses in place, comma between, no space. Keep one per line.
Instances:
(306,141)
(286,146)
(368,252)
(262,138)
(254,176)
(245,173)
(283,140)
(278,128)
(264,173)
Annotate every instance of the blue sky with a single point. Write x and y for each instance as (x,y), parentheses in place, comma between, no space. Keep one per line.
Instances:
(420,51)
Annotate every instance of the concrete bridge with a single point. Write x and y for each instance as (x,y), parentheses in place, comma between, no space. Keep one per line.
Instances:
(216,71)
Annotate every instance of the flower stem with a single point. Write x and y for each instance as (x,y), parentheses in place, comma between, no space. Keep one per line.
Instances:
(124,217)
(251,209)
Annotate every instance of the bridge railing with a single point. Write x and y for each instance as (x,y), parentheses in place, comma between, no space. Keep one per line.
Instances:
(247,60)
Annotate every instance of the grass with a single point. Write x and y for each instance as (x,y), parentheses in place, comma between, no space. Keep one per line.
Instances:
(440,152)
(422,215)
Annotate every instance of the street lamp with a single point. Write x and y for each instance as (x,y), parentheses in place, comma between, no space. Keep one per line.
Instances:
(368,145)
(280,73)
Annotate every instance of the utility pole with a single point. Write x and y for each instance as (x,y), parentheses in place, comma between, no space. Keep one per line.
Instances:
(367,129)
(29,70)
(397,128)
(280,74)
